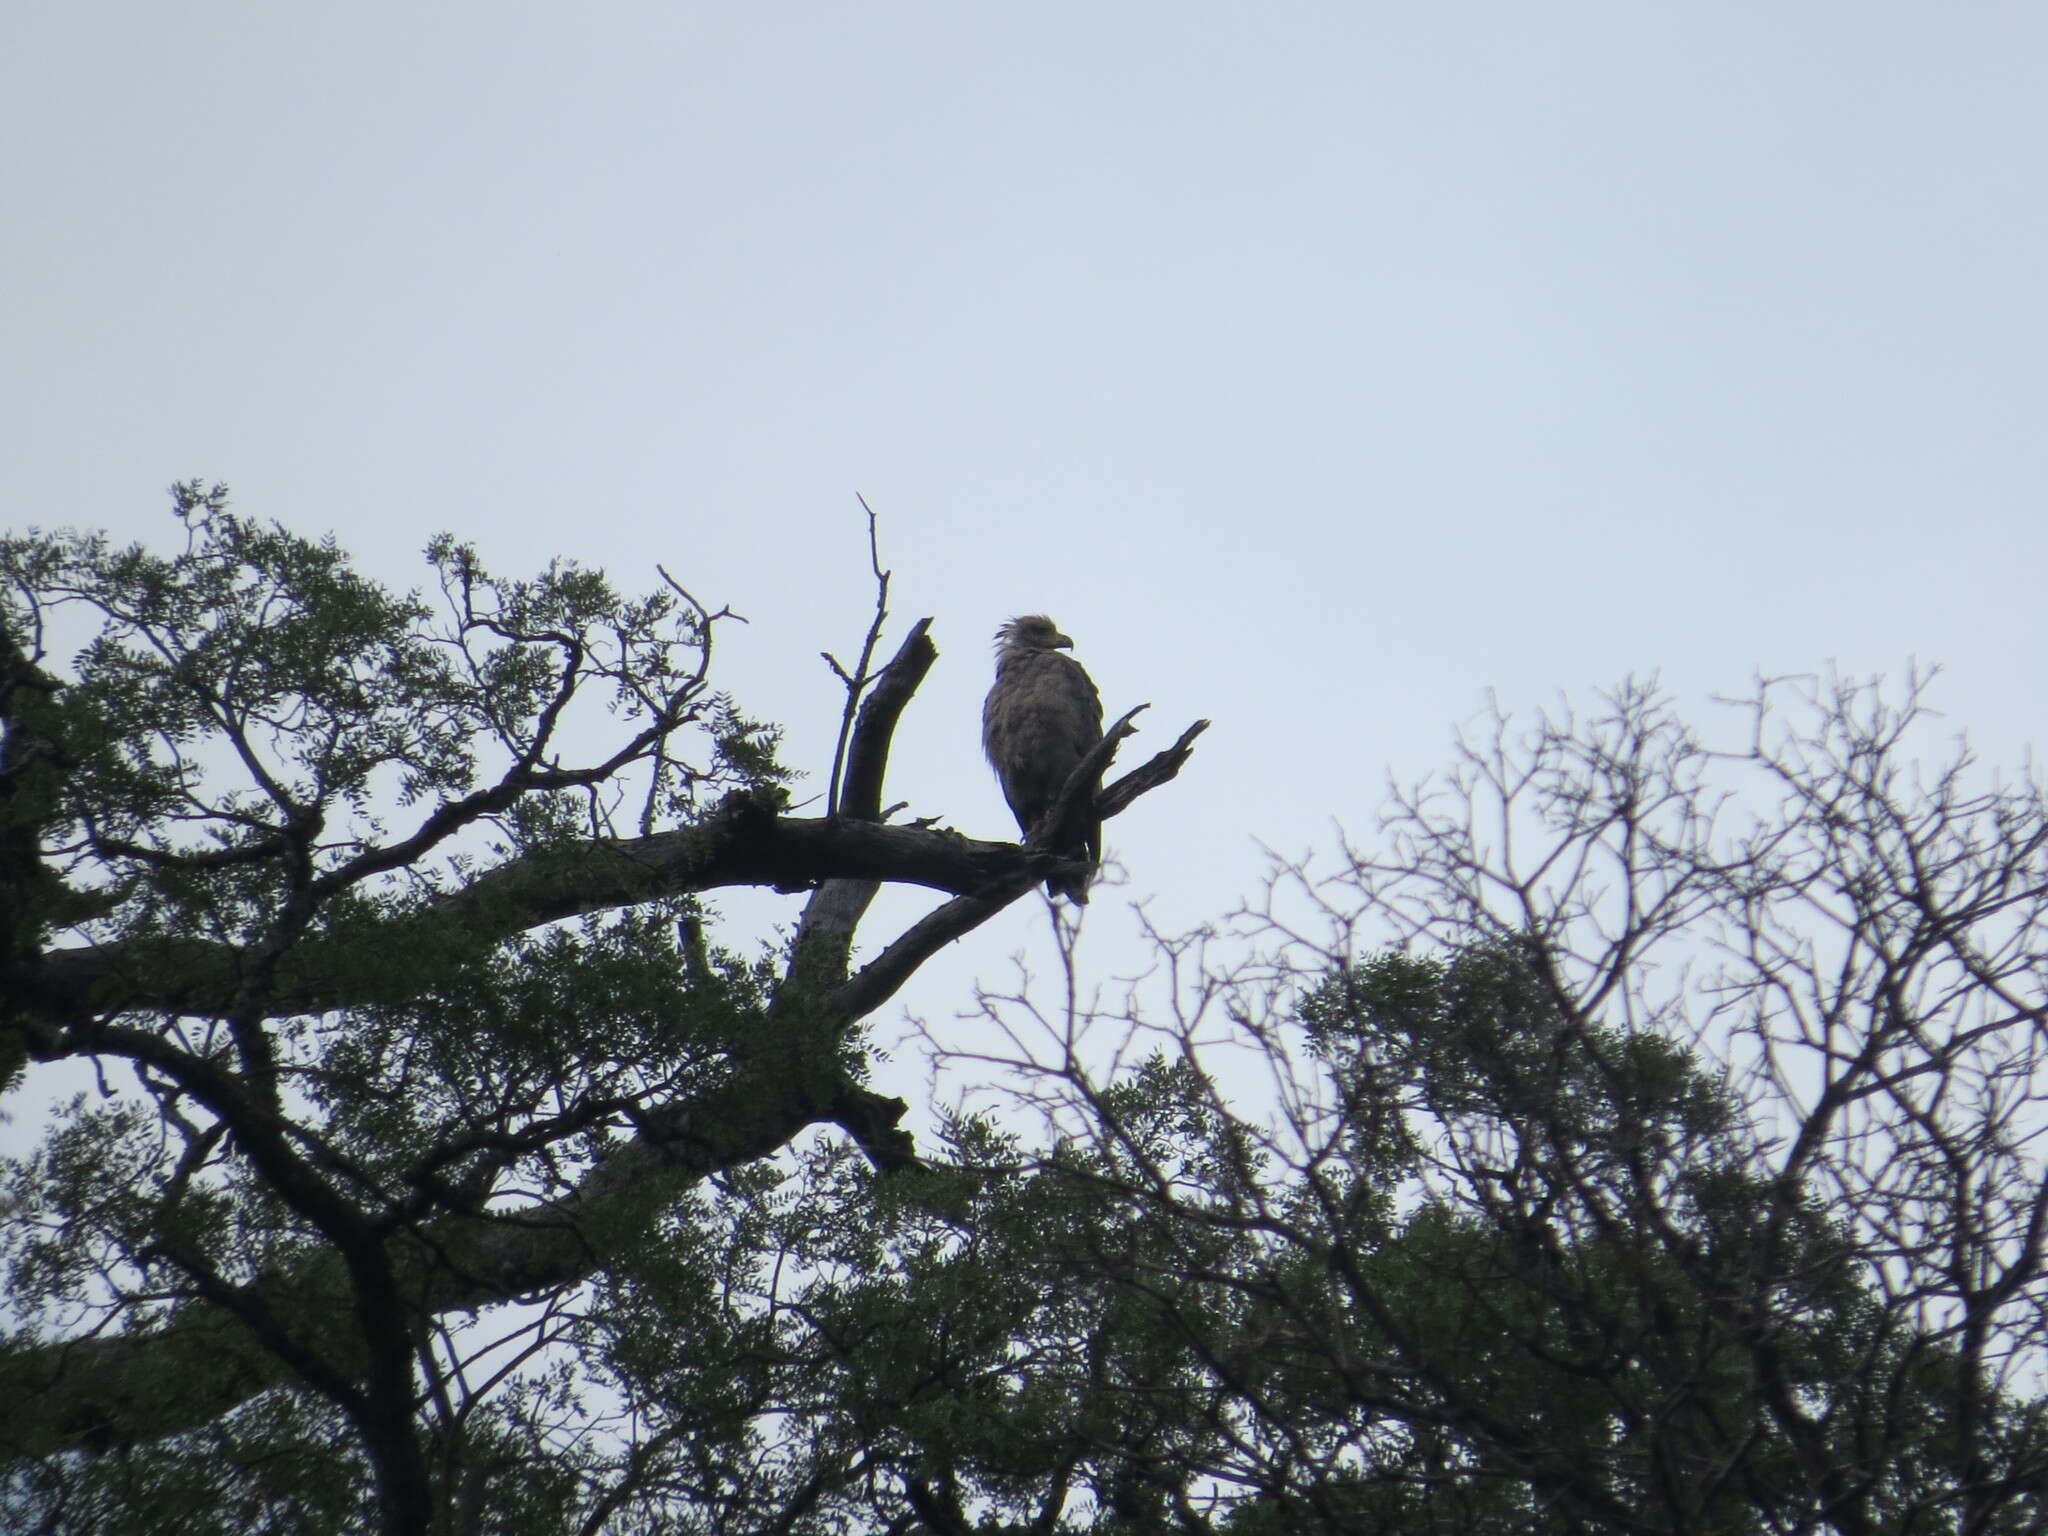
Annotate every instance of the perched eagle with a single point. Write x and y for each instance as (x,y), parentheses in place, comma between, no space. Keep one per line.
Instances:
(1041,717)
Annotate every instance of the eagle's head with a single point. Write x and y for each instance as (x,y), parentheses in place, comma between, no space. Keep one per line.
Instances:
(1033,632)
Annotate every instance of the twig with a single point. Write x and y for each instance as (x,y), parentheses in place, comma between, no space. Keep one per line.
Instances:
(859,681)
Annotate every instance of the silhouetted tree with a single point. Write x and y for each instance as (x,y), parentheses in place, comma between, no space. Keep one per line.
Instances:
(376,918)
(1638,1137)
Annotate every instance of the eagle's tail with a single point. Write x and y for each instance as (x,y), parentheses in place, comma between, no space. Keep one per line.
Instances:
(1073,887)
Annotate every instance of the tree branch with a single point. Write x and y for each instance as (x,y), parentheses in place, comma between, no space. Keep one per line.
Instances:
(860,793)
(742,843)
(1160,768)
(824,935)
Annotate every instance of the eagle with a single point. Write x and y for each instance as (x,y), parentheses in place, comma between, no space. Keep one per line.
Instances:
(1040,719)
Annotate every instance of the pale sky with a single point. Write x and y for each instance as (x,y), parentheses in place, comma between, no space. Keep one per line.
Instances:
(1318,367)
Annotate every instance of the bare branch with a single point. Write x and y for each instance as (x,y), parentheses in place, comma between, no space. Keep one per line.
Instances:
(742,844)
(860,678)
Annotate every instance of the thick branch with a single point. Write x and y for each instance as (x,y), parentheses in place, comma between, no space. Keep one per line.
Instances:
(861,794)
(825,933)
(804,1035)
(742,843)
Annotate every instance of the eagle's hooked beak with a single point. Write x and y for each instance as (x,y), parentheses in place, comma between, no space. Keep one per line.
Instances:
(1060,642)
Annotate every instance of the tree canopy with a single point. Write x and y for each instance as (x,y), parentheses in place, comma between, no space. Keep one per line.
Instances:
(1633,1137)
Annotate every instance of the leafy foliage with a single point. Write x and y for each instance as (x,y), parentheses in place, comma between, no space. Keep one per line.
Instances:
(260,750)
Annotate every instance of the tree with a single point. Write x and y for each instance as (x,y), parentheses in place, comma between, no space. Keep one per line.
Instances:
(384,915)
(1653,1143)
(1635,1137)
